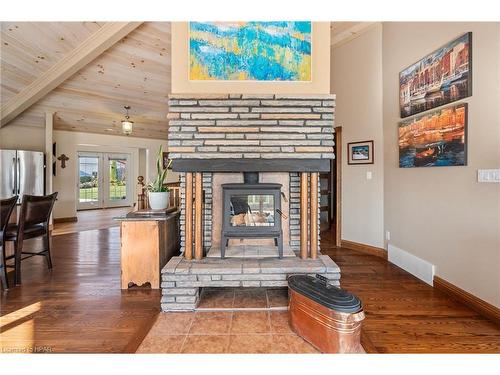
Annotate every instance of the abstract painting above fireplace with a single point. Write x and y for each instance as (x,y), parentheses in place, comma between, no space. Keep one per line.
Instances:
(250,51)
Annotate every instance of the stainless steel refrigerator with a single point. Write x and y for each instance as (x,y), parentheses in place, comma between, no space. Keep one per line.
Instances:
(21,172)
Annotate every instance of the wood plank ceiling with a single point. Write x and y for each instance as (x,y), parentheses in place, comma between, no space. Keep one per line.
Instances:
(135,72)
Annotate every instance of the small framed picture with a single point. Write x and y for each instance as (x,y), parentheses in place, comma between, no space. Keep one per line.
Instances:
(360,152)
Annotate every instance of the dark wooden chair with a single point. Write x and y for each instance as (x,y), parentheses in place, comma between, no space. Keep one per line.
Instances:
(6,208)
(33,222)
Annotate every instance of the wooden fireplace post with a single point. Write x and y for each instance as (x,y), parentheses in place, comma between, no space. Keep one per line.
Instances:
(303,215)
(314,215)
(198,216)
(188,253)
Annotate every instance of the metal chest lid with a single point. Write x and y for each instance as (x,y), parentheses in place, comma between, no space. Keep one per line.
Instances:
(329,296)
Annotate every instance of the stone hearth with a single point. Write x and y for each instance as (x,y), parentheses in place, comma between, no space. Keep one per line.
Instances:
(249,251)
(182,279)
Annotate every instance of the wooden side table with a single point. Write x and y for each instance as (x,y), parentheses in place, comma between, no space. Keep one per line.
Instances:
(147,244)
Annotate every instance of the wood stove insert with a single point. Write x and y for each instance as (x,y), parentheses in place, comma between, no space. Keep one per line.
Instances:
(251,211)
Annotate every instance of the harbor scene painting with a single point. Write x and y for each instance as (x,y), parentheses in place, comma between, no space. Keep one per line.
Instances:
(436,139)
(440,78)
(250,51)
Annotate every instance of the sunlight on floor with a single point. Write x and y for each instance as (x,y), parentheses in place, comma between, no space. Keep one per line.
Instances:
(17,330)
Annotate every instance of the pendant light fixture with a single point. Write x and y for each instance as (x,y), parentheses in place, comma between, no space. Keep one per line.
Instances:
(127,125)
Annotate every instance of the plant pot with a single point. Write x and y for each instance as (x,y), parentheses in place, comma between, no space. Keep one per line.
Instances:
(158,200)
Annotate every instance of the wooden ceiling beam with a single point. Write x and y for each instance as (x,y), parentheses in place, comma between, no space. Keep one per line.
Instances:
(87,51)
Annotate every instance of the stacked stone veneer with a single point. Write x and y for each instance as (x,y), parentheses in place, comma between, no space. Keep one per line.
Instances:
(270,126)
(251,126)
(182,279)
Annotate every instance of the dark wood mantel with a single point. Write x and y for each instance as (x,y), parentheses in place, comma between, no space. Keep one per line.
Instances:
(253,165)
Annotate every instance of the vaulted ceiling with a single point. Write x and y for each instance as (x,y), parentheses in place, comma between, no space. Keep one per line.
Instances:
(135,71)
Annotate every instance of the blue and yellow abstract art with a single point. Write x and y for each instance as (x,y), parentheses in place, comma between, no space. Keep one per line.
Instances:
(250,51)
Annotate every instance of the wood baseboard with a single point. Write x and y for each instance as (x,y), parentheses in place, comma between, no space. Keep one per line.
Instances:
(362,248)
(482,307)
(72,219)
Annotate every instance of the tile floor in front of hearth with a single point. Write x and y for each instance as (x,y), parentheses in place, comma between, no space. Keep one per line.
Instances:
(228,321)
(243,298)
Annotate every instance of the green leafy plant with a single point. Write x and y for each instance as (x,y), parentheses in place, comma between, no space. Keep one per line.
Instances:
(156,186)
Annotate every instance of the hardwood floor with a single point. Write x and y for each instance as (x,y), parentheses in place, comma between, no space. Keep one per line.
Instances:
(92,219)
(405,315)
(79,307)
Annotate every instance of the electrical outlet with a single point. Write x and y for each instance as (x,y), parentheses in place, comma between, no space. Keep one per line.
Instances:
(369,175)
(387,235)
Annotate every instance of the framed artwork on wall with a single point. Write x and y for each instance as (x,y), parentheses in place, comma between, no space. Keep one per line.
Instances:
(360,152)
(250,51)
(440,78)
(436,139)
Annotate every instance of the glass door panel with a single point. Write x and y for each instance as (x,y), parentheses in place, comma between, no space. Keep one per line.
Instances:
(103,180)
(89,181)
(252,210)
(118,187)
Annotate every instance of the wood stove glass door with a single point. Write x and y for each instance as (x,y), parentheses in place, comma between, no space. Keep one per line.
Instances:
(252,210)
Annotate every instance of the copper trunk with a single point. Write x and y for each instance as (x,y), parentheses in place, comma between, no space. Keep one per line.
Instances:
(327,330)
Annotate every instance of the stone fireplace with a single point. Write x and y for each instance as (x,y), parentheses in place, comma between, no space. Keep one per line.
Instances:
(213,139)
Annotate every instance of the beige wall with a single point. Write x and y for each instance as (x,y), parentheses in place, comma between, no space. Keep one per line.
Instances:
(320,68)
(19,137)
(443,215)
(70,143)
(356,79)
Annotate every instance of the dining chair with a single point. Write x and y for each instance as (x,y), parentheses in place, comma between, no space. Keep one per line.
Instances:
(6,208)
(33,222)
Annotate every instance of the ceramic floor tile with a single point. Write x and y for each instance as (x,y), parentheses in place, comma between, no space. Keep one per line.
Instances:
(280,322)
(250,322)
(162,344)
(219,298)
(277,297)
(171,323)
(198,344)
(211,323)
(280,344)
(255,344)
(250,298)
(299,345)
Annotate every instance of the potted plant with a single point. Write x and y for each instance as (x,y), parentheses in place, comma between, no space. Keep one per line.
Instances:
(158,194)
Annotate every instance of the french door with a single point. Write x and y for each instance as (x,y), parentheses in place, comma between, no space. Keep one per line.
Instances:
(103,180)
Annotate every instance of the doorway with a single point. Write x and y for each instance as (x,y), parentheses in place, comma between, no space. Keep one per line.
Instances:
(103,180)
(330,193)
